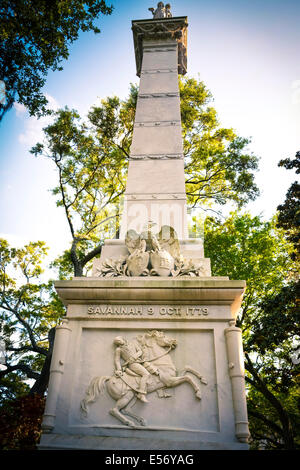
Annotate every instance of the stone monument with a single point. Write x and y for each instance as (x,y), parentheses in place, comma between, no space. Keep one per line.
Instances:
(148,356)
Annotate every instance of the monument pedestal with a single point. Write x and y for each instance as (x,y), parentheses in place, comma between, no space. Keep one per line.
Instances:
(205,411)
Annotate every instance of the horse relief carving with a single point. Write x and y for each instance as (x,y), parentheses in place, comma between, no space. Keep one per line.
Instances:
(142,366)
(151,254)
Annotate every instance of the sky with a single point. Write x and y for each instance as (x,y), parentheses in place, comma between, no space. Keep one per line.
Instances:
(246,52)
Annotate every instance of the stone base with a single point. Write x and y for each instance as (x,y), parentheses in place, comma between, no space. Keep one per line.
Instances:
(186,329)
(83,442)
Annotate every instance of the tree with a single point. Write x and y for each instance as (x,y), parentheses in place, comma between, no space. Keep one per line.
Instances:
(29,311)
(20,422)
(92,159)
(274,396)
(218,167)
(289,211)
(35,36)
(91,169)
(249,248)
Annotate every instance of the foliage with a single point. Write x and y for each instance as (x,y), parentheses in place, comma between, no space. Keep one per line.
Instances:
(279,320)
(92,158)
(218,167)
(20,423)
(35,36)
(289,211)
(91,164)
(265,428)
(29,308)
(246,247)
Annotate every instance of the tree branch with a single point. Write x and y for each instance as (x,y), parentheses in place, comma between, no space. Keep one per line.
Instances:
(96,251)
(265,420)
(21,367)
(35,347)
(64,199)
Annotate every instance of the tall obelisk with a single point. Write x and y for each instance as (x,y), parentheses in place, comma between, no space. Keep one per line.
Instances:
(155,189)
(156,185)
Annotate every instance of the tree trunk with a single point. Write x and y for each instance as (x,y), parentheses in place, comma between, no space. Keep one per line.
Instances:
(78,268)
(41,384)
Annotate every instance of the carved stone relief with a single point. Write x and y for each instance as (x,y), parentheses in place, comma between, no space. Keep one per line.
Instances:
(151,255)
(141,366)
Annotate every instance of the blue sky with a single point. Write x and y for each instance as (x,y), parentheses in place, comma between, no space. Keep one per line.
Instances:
(246,52)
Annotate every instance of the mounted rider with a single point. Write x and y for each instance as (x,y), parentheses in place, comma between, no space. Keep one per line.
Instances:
(132,355)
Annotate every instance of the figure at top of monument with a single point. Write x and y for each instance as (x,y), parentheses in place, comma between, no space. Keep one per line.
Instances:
(168,13)
(161,11)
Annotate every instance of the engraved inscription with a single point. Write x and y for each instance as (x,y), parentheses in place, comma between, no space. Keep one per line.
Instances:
(149,310)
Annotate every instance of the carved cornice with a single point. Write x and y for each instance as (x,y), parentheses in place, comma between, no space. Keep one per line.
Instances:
(168,28)
(217,291)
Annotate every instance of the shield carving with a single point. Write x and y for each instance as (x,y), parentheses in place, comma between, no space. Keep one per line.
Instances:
(137,263)
(162,262)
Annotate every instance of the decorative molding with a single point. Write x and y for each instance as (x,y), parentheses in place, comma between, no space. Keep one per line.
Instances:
(173,156)
(153,71)
(160,196)
(159,95)
(157,123)
(149,49)
(163,28)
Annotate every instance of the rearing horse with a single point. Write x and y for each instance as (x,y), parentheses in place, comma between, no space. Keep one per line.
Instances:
(124,389)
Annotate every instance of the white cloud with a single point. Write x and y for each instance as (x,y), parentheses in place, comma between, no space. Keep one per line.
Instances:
(52,103)
(34,127)
(20,108)
(33,131)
